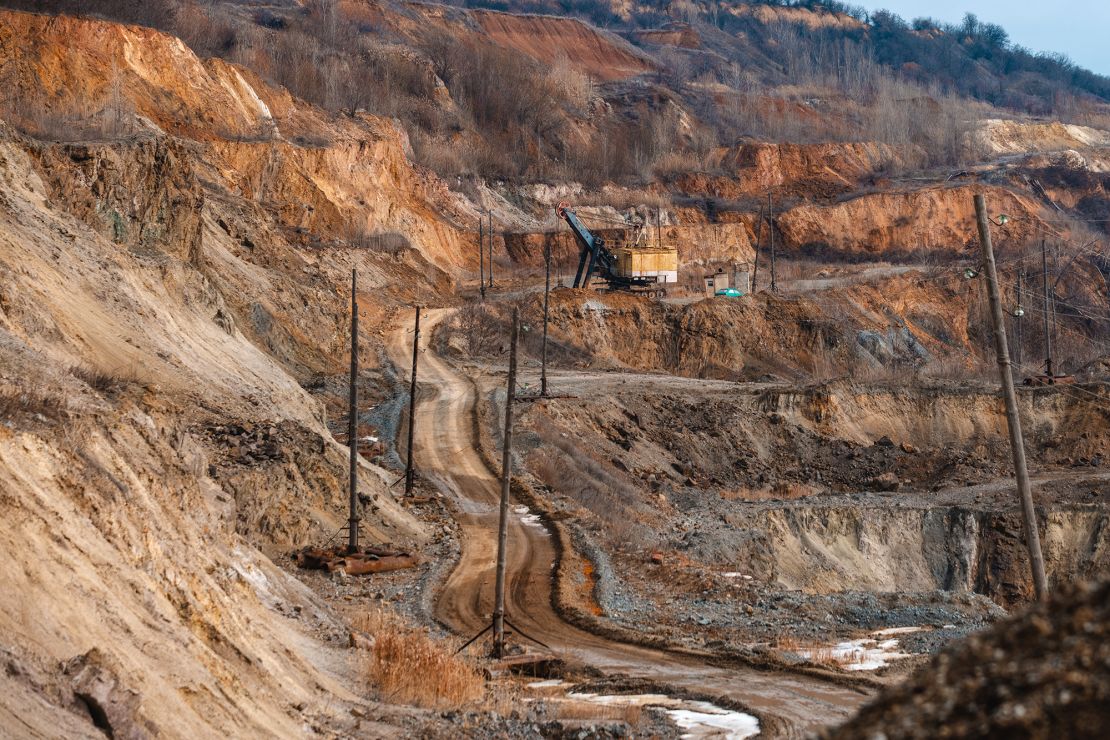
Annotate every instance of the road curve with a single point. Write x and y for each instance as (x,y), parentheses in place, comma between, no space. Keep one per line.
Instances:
(446,454)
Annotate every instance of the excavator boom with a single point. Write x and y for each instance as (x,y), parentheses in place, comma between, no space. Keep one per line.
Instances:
(596,257)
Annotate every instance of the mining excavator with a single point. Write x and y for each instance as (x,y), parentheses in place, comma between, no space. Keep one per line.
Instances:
(643,270)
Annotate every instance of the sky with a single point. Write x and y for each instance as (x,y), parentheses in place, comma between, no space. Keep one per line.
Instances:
(1078,28)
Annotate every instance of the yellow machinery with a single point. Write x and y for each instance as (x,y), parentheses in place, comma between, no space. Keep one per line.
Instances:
(660,263)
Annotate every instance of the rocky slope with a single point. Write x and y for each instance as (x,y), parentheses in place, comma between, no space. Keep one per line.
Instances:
(168,283)
(1041,674)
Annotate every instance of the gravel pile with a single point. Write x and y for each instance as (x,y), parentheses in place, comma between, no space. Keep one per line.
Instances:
(1042,674)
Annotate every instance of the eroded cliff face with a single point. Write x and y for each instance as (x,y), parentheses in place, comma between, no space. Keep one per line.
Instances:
(343,178)
(933,220)
(806,170)
(911,322)
(550,39)
(825,549)
(165,290)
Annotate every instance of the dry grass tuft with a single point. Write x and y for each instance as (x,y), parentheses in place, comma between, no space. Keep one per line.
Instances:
(409,666)
(16,402)
(103,381)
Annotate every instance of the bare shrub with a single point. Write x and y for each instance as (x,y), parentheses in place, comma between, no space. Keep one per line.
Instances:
(480,329)
(102,381)
(408,665)
(384,242)
(23,401)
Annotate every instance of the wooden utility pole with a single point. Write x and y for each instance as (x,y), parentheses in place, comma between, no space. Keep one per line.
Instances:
(503,523)
(771,230)
(410,470)
(1017,320)
(546,296)
(1047,334)
(1017,443)
(489,233)
(481,258)
(352,424)
(758,241)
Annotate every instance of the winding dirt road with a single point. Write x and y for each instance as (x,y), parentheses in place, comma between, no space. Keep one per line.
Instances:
(446,454)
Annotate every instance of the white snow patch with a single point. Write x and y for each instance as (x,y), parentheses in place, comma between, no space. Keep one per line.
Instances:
(698,718)
(551,683)
(859,655)
(737,575)
(707,720)
(527,518)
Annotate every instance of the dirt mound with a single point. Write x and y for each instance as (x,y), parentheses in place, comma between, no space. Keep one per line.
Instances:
(1043,674)
(549,39)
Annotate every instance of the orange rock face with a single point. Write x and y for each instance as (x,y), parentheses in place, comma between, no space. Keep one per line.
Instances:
(345,178)
(927,220)
(549,39)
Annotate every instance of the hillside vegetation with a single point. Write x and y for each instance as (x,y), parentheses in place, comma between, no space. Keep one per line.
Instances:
(649,88)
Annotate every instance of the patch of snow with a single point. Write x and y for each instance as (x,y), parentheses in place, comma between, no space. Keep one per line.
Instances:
(710,720)
(551,683)
(625,700)
(737,575)
(594,306)
(859,655)
(528,519)
(697,718)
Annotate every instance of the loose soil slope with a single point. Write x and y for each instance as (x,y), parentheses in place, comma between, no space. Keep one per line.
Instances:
(162,300)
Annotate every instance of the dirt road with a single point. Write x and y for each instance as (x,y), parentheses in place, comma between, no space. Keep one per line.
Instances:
(446,453)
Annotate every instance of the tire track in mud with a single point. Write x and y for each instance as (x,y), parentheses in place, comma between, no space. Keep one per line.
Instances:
(447,454)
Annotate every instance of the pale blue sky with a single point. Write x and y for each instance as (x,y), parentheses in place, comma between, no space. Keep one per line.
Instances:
(1078,28)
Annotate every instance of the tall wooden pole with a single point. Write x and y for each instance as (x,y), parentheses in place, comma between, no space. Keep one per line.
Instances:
(481,258)
(503,523)
(1047,334)
(489,233)
(758,241)
(546,296)
(352,423)
(1017,444)
(771,231)
(1017,321)
(410,470)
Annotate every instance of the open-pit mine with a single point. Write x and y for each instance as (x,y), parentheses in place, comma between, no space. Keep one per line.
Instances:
(525,369)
